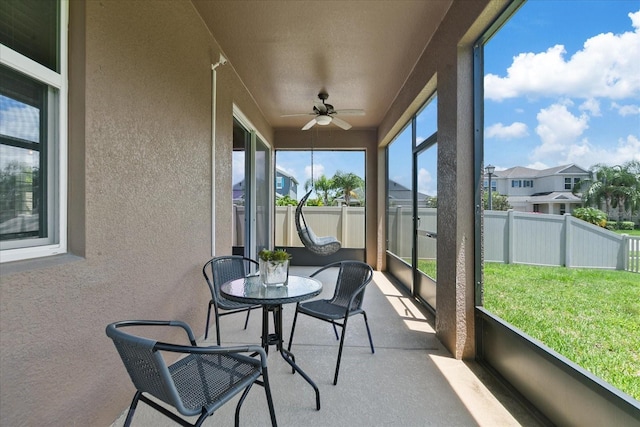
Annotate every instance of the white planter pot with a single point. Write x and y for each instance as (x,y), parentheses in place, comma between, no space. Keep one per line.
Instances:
(274,273)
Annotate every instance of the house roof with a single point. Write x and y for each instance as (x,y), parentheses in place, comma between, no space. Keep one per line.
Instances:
(400,192)
(523,172)
(287,174)
(553,197)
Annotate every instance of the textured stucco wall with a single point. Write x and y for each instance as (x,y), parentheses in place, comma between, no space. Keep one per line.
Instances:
(139,209)
(446,67)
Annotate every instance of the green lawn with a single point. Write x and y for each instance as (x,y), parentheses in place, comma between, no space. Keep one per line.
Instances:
(635,232)
(592,317)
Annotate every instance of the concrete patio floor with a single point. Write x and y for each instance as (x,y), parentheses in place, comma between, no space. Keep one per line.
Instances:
(411,380)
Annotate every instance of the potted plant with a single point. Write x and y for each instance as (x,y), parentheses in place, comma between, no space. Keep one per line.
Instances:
(274,267)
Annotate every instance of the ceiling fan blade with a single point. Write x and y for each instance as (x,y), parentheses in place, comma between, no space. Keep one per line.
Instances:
(310,124)
(350,112)
(341,123)
(298,115)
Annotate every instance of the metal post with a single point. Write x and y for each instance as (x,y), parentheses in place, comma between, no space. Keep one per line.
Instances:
(490,170)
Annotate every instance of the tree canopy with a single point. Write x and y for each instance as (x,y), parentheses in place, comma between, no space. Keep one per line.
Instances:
(613,187)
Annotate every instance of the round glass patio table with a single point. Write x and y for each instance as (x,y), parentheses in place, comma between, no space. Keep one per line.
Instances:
(251,290)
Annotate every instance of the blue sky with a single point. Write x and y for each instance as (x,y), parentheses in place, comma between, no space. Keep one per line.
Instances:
(562,85)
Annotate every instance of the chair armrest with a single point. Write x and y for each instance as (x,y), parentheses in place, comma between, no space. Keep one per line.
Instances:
(173,323)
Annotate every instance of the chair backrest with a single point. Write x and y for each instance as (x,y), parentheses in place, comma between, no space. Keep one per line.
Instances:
(146,366)
(353,277)
(224,269)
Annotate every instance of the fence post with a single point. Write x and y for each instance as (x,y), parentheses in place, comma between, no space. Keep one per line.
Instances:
(289,222)
(510,236)
(567,239)
(343,225)
(624,253)
(398,231)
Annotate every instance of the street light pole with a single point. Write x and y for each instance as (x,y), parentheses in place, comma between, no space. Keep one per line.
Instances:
(490,170)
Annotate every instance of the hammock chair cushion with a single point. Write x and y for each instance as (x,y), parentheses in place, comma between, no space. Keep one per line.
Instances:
(318,245)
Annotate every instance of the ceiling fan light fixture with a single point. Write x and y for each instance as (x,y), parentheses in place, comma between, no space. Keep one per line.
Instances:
(323,120)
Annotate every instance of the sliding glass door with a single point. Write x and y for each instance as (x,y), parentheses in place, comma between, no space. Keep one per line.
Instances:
(252,194)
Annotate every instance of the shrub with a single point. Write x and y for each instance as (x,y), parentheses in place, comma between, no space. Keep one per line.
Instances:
(591,215)
(625,225)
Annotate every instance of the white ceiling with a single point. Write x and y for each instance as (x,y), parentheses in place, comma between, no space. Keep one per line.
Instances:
(286,52)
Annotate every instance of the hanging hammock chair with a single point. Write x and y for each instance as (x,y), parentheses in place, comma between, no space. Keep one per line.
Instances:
(318,245)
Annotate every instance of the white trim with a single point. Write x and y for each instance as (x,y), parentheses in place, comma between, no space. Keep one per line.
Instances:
(214,91)
(12,59)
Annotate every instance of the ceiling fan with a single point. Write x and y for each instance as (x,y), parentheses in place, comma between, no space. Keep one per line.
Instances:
(325,114)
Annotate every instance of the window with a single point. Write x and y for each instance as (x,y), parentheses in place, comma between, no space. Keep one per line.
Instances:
(279,182)
(336,179)
(494,185)
(33,99)
(574,36)
(528,183)
(516,183)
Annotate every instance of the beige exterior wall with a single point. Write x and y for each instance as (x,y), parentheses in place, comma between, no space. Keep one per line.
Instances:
(139,209)
(140,199)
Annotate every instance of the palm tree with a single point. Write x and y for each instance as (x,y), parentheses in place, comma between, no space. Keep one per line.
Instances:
(614,186)
(322,186)
(346,183)
(627,188)
(597,189)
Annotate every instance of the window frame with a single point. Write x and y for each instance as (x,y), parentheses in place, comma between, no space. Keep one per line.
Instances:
(56,145)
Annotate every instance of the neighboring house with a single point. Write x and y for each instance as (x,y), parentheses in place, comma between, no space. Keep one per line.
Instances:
(286,185)
(544,191)
(399,195)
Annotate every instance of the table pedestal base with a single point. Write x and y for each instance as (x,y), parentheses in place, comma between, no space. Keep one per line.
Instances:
(276,339)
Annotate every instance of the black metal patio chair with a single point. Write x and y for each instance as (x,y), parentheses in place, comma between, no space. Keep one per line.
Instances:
(353,277)
(198,383)
(224,269)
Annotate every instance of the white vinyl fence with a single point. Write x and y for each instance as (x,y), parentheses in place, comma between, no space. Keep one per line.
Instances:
(543,239)
(509,237)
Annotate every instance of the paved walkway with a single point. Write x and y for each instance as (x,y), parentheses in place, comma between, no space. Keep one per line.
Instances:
(411,380)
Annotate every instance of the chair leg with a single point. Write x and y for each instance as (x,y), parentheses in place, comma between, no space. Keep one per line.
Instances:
(206,328)
(267,390)
(132,409)
(344,330)
(246,321)
(293,328)
(366,323)
(335,330)
(217,316)
(244,395)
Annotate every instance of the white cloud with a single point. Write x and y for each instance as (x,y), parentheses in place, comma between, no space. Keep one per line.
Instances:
(588,155)
(626,110)
(592,106)
(537,165)
(318,171)
(607,66)
(425,182)
(514,130)
(558,129)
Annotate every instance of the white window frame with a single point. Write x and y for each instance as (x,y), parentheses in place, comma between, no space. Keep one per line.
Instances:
(57,141)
